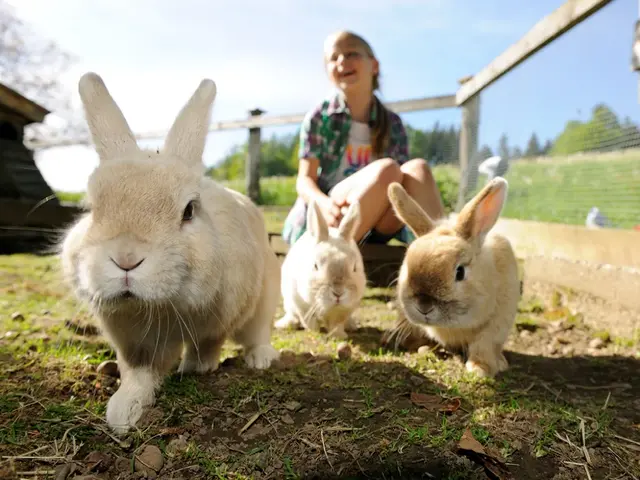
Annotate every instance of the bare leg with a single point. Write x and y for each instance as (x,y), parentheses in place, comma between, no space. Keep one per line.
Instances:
(419,183)
(255,336)
(369,185)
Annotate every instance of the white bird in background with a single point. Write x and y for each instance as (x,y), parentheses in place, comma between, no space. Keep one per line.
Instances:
(493,167)
(595,219)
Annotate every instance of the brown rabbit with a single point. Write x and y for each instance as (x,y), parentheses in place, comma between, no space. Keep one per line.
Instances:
(458,283)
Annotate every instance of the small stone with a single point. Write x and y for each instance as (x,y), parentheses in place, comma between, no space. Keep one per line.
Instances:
(391,305)
(123,464)
(46,312)
(109,368)
(344,351)
(292,405)
(424,349)
(286,418)
(17,316)
(62,471)
(11,334)
(568,350)
(150,461)
(562,340)
(98,461)
(596,343)
(556,326)
(416,380)
(197,421)
(525,333)
(177,445)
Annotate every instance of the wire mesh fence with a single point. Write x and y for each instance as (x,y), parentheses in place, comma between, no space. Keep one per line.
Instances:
(570,141)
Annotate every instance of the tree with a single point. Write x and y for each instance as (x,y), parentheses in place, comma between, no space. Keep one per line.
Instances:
(602,132)
(533,146)
(485,152)
(503,147)
(516,153)
(34,67)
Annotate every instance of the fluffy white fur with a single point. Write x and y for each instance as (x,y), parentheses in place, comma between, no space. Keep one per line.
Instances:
(458,282)
(171,263)
(323,278)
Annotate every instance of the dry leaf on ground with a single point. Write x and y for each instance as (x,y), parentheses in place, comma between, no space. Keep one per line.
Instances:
(473,450)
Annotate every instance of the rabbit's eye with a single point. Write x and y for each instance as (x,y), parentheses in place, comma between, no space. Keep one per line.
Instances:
(460,272)
(188,212)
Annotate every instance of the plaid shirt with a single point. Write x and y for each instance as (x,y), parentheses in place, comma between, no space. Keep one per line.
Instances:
(324,135)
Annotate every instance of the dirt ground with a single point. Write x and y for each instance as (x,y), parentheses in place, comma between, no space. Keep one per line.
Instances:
(567,408)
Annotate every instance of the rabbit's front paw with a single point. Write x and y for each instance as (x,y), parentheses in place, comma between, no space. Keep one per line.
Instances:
(339,333)
(287,322)
(126,406)
(261,356)
(189,365)
(351,324)
(479,368)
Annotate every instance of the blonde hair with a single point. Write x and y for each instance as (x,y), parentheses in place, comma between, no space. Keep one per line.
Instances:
(381,128)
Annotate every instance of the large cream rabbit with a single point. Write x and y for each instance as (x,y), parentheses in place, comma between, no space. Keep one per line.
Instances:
(323,277)
(169,261)
(458,282)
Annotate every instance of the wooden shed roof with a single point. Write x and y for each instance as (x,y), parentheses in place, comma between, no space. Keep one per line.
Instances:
(28,109)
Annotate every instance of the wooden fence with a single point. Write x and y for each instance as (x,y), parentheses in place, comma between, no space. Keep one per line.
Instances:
(467,98)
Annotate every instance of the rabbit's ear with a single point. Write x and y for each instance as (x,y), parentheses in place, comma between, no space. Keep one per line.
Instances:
(350,221)
(109,129)
(316,223)
(409,211)
(187,137)
(481,213)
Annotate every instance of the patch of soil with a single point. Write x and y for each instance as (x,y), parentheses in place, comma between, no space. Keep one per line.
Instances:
(565,401)
(598,313)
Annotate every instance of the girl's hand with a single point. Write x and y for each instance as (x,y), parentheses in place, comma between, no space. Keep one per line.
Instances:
(333,211)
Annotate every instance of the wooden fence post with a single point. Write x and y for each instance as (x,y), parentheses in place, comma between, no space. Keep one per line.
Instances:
(468,146)
(252,165)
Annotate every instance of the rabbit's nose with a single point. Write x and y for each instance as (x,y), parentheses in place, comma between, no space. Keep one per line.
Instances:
(338,293)
(127,263)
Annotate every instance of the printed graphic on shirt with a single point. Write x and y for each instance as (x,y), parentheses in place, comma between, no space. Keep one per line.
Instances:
(357,153)
(356,156)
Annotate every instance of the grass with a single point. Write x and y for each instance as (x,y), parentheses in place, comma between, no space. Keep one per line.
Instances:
(555,190)
(563,192)
(314,415)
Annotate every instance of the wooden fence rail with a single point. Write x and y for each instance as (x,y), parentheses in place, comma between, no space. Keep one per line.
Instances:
(467,98)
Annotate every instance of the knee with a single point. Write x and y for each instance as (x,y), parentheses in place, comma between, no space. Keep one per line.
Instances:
(417,168)
(388,171)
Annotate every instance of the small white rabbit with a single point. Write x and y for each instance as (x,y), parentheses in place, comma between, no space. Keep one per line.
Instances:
(169,261)
(323,277)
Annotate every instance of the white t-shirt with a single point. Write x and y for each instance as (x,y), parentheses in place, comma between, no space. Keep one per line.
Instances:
(358,152)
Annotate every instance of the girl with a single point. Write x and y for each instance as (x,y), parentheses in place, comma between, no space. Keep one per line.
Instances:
(352,147)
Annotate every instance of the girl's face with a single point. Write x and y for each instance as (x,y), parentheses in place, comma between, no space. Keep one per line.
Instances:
(349,65)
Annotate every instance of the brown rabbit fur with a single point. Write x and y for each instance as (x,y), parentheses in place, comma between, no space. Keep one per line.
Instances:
(458,282)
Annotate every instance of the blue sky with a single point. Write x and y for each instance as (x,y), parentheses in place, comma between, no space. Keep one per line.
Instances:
(153,53)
